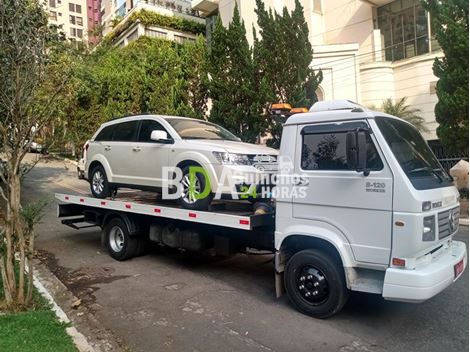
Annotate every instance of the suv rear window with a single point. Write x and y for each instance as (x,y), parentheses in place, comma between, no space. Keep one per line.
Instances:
(125,131)
(106,134)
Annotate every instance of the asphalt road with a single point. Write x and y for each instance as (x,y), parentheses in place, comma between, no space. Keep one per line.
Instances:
(168,301)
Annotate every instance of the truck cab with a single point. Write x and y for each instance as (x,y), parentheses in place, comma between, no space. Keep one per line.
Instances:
(368,208)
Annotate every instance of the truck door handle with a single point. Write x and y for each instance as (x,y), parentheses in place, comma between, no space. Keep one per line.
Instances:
(108,147)
(136,149)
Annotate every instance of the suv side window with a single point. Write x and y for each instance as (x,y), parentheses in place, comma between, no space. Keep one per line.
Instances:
(106,134)
(146,129)
(125,131)
(324,149)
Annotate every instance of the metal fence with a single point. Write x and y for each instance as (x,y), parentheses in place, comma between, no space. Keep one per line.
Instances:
(447,159)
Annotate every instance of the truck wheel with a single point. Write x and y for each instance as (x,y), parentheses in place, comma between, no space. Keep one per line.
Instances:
(187,200)
(315,283)
(120,244)
(99,183)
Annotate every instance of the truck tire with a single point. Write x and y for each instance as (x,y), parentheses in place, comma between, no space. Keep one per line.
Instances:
(193,204)
(99,183)
(315,283)
(120,244)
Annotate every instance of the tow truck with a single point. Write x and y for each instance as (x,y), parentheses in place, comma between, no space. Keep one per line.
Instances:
(368,208)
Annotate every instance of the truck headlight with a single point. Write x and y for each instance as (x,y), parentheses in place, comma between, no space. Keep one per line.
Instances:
(231,158)
(429,228)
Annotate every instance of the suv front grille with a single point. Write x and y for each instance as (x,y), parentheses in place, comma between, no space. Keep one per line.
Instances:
(448,224)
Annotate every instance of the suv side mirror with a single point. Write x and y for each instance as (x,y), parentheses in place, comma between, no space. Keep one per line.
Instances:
(356,151)
(160,136)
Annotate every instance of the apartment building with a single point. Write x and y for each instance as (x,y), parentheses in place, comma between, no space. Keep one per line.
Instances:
(70,16)
(368,50)
(94,20)
(116,12)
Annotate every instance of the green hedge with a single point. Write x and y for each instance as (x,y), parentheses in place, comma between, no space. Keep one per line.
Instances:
(149,18)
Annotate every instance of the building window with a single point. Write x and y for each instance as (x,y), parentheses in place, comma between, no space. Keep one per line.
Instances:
(75,8)
(317,6)
(52,3)
(53,16)
(405,29)
(155,34)
(80,21)
(72,19)
(73,32)
(80,33)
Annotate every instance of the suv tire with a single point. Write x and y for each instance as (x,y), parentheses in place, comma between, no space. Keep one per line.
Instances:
(185,199)
(99,183)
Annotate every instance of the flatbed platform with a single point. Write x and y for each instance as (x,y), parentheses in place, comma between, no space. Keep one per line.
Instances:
(232,214)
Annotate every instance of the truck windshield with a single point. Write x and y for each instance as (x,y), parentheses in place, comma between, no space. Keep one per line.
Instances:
(194,129)
(413,153)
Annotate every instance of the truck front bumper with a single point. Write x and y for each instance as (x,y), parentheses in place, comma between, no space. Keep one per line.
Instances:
(419,284)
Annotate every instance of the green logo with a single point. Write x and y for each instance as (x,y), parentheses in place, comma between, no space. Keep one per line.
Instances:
(194,189)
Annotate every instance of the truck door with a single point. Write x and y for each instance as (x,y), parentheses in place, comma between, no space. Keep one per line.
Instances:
(359,206)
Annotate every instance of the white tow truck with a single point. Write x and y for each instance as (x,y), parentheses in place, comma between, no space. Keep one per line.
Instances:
(367,207)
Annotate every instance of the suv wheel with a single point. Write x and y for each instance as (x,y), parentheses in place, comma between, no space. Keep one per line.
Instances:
(120,244)
(188,199)
(99,183)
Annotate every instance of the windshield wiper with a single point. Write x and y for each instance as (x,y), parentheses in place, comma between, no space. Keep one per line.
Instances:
(430,169)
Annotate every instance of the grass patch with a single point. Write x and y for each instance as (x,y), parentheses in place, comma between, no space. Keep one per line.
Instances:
(35,330)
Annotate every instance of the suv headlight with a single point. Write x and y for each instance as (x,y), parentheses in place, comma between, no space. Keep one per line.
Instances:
(231,158)
(429,228)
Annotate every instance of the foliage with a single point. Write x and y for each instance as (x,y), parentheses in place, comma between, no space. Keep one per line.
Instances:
(29,52)
(405,112)
(150,18)
(150,75)
(283,55)
(234,89)
(449,21)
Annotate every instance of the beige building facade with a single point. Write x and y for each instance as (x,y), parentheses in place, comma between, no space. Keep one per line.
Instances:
(368,50)
(70,16)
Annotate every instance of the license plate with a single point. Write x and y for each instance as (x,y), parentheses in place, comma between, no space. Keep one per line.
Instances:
(458,268)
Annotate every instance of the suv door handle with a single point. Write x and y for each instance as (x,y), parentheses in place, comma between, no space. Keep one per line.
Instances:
(108,147)
(136,149)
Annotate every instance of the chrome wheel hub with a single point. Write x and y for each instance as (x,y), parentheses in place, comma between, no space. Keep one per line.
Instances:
(116,239)
(98,182)
(190,189)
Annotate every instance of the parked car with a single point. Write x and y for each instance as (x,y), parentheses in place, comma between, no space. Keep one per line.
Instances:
(131,152)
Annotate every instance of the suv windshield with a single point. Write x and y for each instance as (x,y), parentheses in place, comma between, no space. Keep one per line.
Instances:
(413,153)
(194,129)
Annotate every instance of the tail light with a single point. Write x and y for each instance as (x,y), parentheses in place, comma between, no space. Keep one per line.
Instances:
(85,148)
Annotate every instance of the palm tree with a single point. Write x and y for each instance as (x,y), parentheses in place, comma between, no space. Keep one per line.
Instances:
(405,112)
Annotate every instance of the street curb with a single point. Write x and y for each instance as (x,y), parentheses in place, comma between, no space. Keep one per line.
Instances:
(78,338)
(463,222)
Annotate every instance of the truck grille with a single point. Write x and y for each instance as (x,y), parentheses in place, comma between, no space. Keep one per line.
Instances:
(448,222)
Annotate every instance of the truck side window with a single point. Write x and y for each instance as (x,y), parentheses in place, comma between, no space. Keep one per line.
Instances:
(327,151)
(125,131)
(106,134)
(146,129)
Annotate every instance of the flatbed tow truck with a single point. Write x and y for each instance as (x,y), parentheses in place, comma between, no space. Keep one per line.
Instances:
(368,208)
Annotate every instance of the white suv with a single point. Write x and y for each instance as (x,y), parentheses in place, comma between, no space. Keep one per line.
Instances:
(136,152)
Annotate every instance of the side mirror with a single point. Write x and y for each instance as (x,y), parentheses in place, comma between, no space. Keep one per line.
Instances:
(159,136)
(356,151)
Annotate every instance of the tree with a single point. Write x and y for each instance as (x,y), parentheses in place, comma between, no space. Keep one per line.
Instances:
(27,56)
(406,112)
(234,89)
(449,22)
(283,55)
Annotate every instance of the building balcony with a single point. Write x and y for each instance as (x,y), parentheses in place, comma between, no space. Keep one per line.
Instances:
(205,7)
(378,3)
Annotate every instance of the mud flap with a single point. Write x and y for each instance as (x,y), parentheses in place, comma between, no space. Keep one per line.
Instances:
(279,261)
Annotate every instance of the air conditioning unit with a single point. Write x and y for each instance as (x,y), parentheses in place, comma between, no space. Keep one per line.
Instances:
(341,104)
